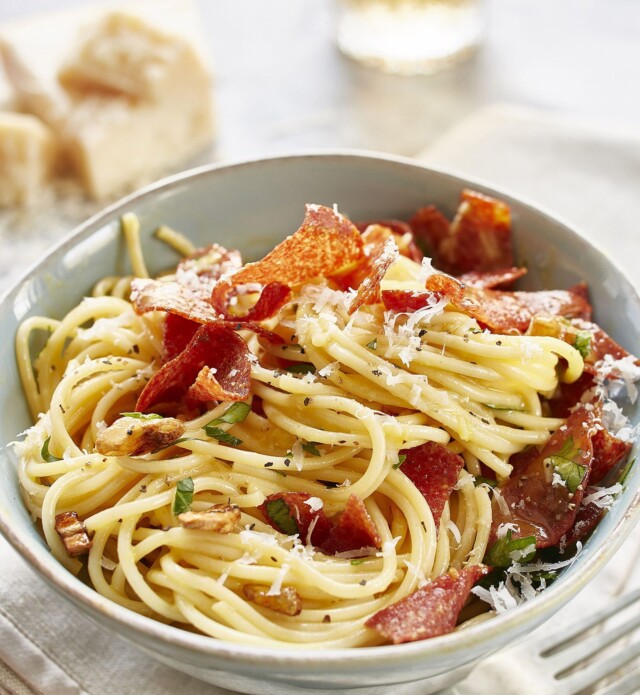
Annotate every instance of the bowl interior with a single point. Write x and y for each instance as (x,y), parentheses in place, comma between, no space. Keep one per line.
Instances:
(251,206)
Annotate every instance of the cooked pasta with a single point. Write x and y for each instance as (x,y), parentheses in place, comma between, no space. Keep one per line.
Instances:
(329,414)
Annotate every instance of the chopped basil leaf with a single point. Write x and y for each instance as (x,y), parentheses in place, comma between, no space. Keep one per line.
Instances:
(278,511)
(582,343)
(373,344)
(143,416)
(401,459)
(572,473)
(221,435)
(501,553)
(357,561)
(480,479)
(44,452)
(184,496)
(311,448)
(567,451)
(302,368)
(235,413)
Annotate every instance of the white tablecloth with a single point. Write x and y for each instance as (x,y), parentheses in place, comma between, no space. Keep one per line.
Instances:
(588,174)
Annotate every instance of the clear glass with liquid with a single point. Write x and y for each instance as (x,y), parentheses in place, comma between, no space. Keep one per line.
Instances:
(410,37)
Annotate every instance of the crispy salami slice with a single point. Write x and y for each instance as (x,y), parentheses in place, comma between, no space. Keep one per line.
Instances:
(288,512)
(433,469)
(325,244)
(355,530)
(178,333)
(430,228)
(174,298)
(586,520)
(369,289)
(608,452)
(490,279)
(504,312)
(402,233)
(544,495)
(430,611)
(200,271)
(400,301)
(478,239)
(213,367)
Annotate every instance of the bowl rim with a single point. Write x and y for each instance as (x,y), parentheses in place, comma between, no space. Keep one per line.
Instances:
(530,612)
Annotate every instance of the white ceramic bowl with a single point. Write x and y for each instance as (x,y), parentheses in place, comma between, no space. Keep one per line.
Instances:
(251,206)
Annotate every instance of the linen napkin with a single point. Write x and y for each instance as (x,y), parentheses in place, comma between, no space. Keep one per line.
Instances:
(589,175)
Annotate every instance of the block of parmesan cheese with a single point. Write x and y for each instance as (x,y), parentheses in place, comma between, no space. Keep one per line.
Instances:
(27,149)
(127,91)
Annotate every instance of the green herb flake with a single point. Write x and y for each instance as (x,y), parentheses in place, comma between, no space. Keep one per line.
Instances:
(582,343)
(572,473)
(235,413)
(184,496)
(373,344)
(481,480)
(310,447)
(501,552)
(401,459)
(143,416)
(357,561)
(44,452)
(221,435)
(280,514)
(302,368)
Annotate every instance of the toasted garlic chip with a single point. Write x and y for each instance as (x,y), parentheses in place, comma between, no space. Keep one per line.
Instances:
(221,518)
(73,534)
(131,436)
(288,601)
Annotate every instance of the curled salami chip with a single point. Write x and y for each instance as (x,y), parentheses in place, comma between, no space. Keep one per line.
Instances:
(430,611)
(586,520)
(400,301)
(490,279)
(402,234)
(178,333)
(355,530)
(200,271)
(478,239)
(505,312)
(544,492)
(369,289)
(433,469)
(213,367)
(326,243)
(608,452)
(174,298)
(288,512)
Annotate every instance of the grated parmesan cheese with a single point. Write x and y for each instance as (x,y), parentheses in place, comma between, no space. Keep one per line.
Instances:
(315,504)
(276,587)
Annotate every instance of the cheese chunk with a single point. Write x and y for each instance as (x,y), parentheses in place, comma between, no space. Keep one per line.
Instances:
(128,99)
(26,157)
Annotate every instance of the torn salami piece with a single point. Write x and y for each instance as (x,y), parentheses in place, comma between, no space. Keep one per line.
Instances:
(433,469)
(586,520)
(369,289)
(355,530)
(478,239)
(200,271)
(326,243)
(508,312)
(402,233)
(170,296)
(178,333)
(289,513)
(543,497)
(600,345)
(430,611)
(400,301)
(213,367)
(430,227)
(608,452)
(490,279)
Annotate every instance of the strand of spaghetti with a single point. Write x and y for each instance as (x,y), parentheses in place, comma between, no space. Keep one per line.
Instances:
(131,230)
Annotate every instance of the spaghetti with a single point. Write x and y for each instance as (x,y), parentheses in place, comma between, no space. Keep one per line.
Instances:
(355,473)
